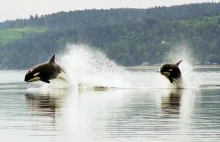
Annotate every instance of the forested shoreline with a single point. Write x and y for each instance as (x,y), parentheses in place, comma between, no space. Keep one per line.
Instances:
(128,36)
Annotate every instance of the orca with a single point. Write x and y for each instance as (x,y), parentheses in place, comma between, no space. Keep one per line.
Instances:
(171,72)
(44,72)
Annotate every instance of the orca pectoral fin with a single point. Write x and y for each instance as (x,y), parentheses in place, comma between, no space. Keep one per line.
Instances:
(45,80)
(171,80)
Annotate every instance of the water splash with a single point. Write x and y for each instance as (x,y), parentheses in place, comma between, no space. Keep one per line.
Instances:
(88,67)
(182,52)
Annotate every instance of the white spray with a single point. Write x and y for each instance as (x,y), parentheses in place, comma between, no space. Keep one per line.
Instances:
(89,67)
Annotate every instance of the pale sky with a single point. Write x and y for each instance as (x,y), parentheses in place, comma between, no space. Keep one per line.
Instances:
(13,9)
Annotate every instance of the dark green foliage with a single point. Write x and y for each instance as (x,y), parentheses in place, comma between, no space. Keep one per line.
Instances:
(128,36)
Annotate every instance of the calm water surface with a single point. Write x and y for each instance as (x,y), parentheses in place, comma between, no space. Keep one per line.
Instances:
(114,115)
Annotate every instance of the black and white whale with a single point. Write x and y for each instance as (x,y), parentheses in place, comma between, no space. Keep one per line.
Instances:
(45,72)
(172,73)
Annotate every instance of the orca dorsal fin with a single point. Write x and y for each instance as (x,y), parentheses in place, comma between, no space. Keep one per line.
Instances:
(179,62)
(52,60)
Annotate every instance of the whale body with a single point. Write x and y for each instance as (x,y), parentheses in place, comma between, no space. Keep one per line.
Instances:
(44,72)
(172,73)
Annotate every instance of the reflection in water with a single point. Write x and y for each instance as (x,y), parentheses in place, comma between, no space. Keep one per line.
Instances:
(46,104)
(48,108)
(86,118)
(178,102)
(177,109)
(110,115)
(116,114)
(171,101)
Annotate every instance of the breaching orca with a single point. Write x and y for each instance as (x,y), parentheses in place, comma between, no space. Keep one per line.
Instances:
(171,72)
(44,72)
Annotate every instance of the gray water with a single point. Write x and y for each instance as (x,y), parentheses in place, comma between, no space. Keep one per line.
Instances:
(29,113)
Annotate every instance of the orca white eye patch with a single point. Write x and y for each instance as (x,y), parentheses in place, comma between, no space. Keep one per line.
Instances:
(36,74)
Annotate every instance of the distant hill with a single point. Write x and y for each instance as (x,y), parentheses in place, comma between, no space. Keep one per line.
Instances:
(128,36)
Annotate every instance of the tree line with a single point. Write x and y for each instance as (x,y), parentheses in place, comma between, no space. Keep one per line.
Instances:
(128,36)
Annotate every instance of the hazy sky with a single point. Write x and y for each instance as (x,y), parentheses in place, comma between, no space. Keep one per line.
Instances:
(12,9)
